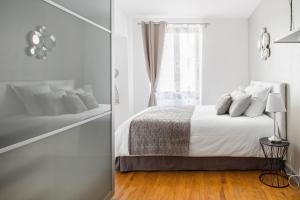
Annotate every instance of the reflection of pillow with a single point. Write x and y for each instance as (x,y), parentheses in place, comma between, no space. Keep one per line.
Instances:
(26,93)
(73,104)
(56,88)
(239,105)
(67,89)
(75,91)
(88,89)
(70,90)
(89,100)
(52,103)
(223,104)
(258,101)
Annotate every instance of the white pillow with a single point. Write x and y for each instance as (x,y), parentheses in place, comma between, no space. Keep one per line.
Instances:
(258,91)
(52,103)
(239,105)
(89,100)
(26,94)
(256,108)
(73,104)
(237,93)
(258,101)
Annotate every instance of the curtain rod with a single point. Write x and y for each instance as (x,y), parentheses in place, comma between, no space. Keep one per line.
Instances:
(202,23)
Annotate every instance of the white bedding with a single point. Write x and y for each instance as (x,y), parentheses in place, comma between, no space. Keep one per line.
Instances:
(214,135)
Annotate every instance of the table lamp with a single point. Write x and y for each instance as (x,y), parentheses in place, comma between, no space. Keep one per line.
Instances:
(275,104)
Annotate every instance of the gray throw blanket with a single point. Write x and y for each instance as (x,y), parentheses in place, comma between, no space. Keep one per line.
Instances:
(161,131)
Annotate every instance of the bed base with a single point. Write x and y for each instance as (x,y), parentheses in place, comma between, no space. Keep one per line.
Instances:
(180,163)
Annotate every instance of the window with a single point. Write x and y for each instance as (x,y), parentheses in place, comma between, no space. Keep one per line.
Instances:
(180,74)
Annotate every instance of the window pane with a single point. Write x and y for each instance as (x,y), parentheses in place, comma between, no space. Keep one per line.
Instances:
(166,81)
(179,81)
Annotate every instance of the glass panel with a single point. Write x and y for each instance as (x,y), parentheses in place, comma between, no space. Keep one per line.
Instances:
(97,11)
(72,165)
(65,82)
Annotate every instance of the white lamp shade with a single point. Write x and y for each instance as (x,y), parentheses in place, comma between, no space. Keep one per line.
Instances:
(275,103)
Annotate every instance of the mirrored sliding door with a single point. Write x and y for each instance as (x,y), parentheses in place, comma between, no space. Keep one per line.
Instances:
(55,99)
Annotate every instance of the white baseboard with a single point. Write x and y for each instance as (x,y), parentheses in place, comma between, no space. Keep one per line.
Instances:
(108,196)
(290,171)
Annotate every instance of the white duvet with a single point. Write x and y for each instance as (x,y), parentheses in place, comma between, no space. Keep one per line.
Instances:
(214,135)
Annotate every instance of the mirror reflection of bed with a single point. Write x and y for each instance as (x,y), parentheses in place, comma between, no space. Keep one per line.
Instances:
(32,108)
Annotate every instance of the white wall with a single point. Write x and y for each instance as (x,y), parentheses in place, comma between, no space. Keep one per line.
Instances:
(140,78)
(120,22)
(282,66)
(122,60)
(225,64)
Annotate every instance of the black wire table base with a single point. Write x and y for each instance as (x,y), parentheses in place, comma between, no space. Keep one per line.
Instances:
(275,153)
(276,179)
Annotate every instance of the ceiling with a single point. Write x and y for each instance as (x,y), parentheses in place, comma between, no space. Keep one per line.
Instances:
(189,8)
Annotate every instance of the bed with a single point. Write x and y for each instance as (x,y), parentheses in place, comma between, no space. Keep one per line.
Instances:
(215,143)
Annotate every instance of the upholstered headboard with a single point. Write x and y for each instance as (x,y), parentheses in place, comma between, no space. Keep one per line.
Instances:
(9,103)
(281,117)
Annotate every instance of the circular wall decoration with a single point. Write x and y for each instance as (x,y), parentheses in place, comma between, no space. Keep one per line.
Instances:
(40,43)
(264,44)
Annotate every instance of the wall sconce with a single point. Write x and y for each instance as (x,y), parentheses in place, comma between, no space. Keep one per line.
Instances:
(40,43)
(264,44)
(117,97)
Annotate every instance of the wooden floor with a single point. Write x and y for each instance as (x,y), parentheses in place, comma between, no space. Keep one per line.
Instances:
(197,185)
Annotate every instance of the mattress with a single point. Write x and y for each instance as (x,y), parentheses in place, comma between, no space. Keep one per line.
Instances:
(214,135)
(21,127)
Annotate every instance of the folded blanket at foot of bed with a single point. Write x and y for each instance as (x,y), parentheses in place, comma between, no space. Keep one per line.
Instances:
(161,131)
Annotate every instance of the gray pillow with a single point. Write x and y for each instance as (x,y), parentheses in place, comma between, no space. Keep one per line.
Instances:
(73,104)
(89,100)
(223,104)
(239,105)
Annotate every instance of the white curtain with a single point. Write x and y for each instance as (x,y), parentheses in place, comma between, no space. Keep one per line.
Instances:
(180,77)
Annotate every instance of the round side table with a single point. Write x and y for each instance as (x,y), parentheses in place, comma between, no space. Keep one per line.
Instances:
(274,174)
